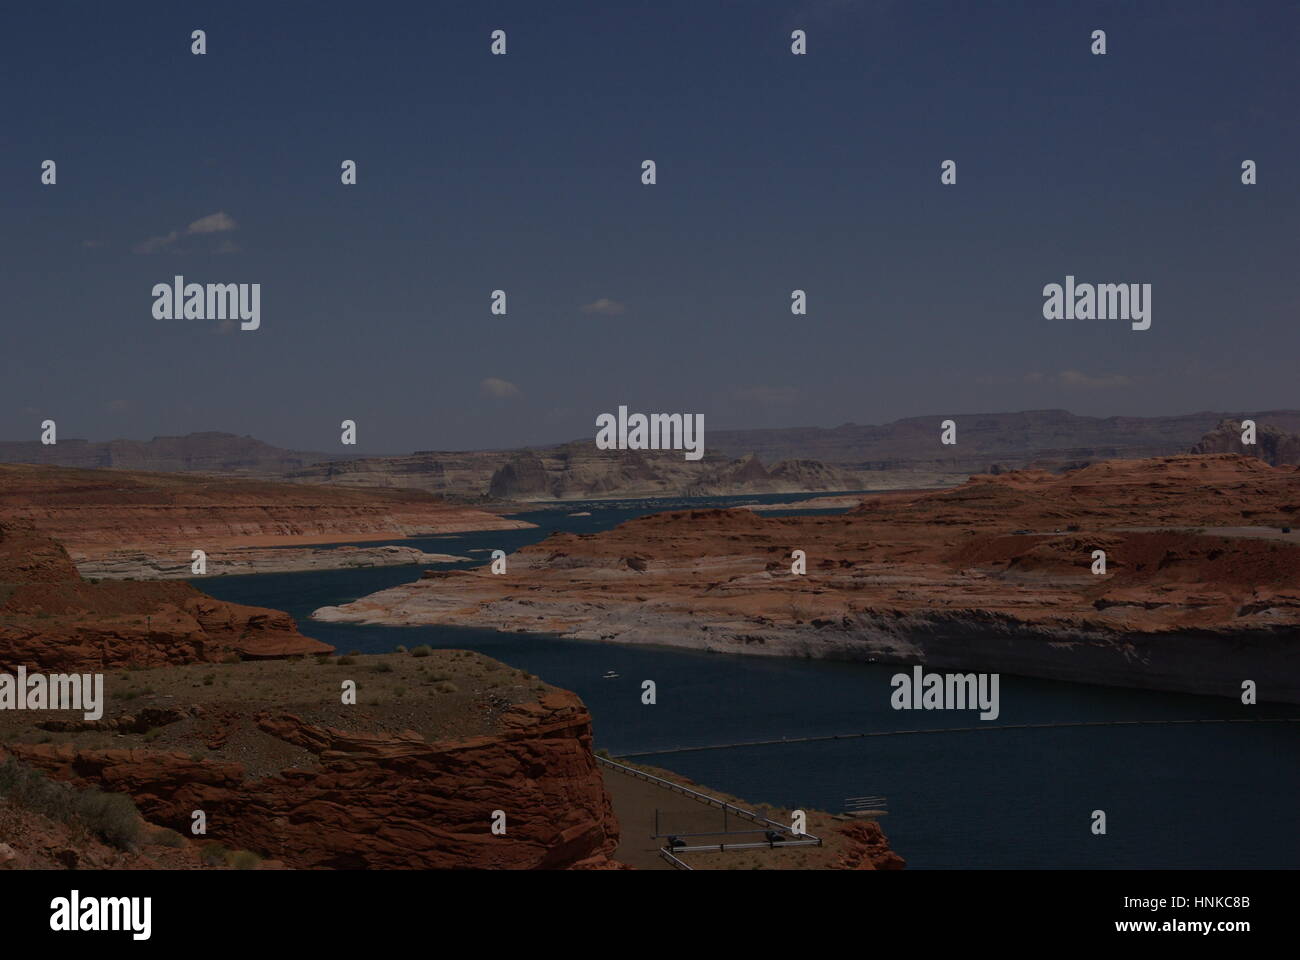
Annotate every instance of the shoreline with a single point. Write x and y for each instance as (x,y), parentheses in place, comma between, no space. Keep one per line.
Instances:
(144,565)
(1200,663)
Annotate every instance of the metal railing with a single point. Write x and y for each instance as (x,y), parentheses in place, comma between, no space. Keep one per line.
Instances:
(800,838)
(679,864)
(866,804)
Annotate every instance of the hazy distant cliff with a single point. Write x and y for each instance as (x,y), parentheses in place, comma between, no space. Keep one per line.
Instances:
(1048,439)
(195,452)
(1271,445)
(803,459)
(578,470)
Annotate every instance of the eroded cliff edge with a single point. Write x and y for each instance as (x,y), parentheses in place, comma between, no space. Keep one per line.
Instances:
(126,524)
(410,777)
(1201,589)
(52,619)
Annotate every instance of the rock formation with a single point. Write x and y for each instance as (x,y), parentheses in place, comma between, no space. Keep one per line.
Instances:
(578,471)
(53,620)
(408,778)
(1273,446)
(100,514)
(137,565)
(218,453)
(1201,590)
(282,772)
(848,457)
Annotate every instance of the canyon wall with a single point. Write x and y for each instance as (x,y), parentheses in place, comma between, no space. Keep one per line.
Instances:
(369,800)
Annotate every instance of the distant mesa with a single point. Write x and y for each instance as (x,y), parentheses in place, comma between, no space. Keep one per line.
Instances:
(209,452)
(1275,447)
(578,471)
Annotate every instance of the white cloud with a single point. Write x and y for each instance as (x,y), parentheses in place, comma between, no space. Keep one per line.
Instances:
(498,389)
(154,244)
(219,222)
(604,307)
(213,223)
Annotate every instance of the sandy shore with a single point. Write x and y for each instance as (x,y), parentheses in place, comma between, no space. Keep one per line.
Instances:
(176,565)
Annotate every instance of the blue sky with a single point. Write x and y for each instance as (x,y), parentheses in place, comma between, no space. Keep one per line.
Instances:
(522,172)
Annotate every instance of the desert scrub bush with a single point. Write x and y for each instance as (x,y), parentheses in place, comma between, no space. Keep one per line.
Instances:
(112,816)
(401,649)
(347,661)
(324,659)
(232,657)
(209,680)
(383,666)
(423,650)
(446,686)
(244,860)
(167,837)
(214,854)
(152,734)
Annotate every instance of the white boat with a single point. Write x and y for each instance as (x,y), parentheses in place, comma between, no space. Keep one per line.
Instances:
(610,675)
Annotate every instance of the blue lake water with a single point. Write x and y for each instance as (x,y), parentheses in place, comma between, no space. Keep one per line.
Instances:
(1196,795)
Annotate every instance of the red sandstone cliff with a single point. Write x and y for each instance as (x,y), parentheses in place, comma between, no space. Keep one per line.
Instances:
(360,791)
(52,619)
(99,512)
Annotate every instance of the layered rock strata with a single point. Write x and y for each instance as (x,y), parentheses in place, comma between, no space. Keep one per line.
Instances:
(1201,589)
